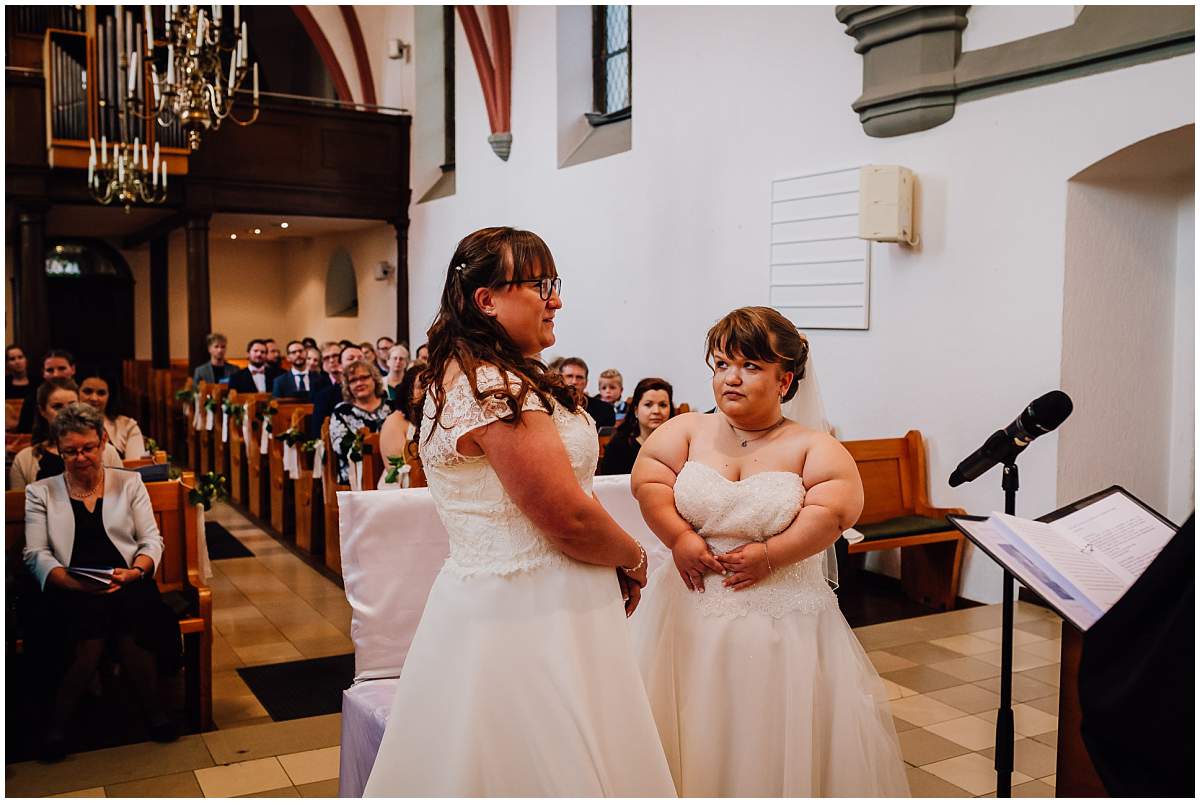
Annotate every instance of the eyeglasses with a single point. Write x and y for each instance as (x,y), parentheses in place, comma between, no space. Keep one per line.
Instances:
(547,286)
(86,451)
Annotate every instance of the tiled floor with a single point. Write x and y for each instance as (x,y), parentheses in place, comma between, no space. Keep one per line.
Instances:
(941,671)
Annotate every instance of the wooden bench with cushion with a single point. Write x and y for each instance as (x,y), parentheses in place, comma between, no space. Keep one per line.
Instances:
(258,494)
(329,489)
(897,514)
(178,572)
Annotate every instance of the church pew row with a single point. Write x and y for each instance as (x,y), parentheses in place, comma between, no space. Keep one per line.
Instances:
(178,573)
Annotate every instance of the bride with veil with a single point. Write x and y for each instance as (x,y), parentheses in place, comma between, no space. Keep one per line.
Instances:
(757,684)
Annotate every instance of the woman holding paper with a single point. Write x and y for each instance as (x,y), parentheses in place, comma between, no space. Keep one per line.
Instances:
(92,546)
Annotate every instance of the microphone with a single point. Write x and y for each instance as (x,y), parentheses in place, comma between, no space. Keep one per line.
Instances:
(1044,414)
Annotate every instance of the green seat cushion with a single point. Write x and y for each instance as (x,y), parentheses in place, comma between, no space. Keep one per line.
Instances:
(903,525)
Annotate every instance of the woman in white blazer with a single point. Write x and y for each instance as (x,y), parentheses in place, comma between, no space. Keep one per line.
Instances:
(100,518)
(40,459)
(123,432)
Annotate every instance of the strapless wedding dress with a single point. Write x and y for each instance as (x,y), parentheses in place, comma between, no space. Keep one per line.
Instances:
(766,691)
(521,679)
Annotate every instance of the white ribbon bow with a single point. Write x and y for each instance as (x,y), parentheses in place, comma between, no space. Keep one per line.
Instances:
(319,460)
(208,419)
(265,440)
(224,426)
(291,461)
(247,428)
(355,474)
(196,423)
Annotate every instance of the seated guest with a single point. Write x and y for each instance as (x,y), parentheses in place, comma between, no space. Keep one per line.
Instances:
(41,460)
(259,375)
(652,404)
(400,427)
(326,399)
(216,369)
(123,432)
(383,347)
(612,385)
(17,384)
(274,358)
(575,371)
(369,355)
(96,517)
(397,364)
(312,362)
(362,406)
(57,364)
(422,354)
(309,343)
(298,382)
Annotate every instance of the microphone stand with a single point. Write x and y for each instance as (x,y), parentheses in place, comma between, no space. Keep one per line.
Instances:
(1004,716)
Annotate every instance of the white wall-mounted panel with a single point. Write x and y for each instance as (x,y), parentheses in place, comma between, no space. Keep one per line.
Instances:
(820,269)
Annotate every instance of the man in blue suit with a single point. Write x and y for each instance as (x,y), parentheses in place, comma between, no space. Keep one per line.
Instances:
(298,382)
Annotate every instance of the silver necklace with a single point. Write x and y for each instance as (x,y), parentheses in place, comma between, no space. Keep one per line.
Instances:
(744,442)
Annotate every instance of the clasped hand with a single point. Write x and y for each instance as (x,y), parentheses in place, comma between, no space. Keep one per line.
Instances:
(742,567)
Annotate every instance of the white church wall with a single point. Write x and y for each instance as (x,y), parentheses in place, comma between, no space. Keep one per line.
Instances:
(1118,340)
(307,264)
(1181,471)
(656,243)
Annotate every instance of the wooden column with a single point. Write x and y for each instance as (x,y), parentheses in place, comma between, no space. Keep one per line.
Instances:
(33,302)
(160,315)
(401,226)
(199,306)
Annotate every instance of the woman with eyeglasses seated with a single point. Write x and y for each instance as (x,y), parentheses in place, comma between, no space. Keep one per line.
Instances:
(362,406)
(40,459)
(650,407)
(96,517)
(123,432)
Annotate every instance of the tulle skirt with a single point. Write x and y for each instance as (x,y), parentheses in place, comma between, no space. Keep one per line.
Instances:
(522,685)
(756,705)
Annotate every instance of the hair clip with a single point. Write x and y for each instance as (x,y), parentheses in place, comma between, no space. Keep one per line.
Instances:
(460,267)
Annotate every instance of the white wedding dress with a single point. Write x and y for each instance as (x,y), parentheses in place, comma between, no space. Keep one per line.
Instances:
(521,678)
(766,691)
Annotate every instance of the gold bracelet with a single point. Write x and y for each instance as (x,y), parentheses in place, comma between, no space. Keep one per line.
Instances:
(767,555)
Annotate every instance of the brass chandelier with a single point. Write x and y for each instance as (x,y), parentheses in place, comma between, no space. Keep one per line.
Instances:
(206,67)
(128,176)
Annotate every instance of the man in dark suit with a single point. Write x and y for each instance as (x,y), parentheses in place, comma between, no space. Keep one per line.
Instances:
(325,400)
(258,376)
(298,382)
(575,371)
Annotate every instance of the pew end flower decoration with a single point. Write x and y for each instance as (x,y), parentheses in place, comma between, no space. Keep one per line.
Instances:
(395,465)
(209,488)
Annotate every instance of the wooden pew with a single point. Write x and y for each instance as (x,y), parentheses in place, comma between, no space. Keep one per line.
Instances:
(897,514)
(220,448)
(329,489)
(12,413)
(237,452)
(282,500)
(307,502)
(210,438)
(157,458)
(141,389)
(196,437)
(416,471)
(258,495)
(178,571)
(372,462)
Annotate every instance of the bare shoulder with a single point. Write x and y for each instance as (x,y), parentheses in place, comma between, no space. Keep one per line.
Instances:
(824,455)
(681,425)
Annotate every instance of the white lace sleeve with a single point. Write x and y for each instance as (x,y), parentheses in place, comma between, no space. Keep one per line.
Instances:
(463,412)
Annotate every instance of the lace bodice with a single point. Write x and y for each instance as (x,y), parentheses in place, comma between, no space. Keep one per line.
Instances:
(488,533)
(728,514)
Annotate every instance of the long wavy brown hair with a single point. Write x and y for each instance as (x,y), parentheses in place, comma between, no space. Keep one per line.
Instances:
(462,333)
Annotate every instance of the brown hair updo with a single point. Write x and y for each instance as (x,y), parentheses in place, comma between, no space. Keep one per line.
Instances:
(490,257)
(763,334)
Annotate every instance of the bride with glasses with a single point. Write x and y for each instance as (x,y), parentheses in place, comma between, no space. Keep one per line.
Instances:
(521,678)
